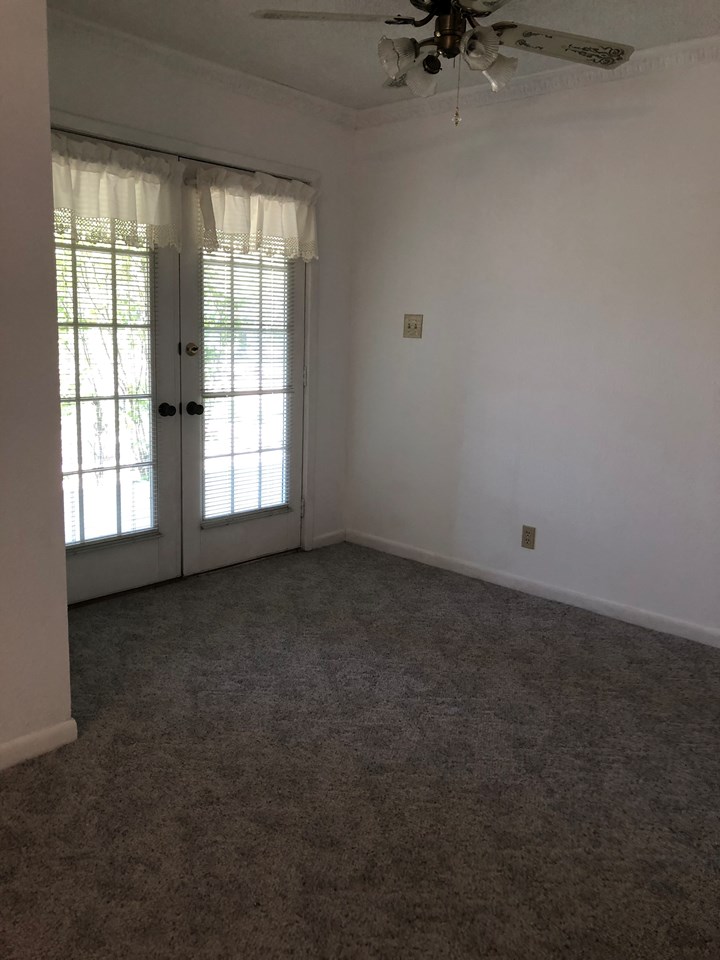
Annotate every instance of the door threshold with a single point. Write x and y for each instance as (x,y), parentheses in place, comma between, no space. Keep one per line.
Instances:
(189,576)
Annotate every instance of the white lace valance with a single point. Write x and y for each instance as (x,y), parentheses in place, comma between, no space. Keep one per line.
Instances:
(257,213)
(116,191)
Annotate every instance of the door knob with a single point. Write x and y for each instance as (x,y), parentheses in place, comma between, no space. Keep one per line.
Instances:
(194,409)
(167,410)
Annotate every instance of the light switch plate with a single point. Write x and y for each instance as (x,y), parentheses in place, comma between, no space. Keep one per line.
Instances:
(413,325)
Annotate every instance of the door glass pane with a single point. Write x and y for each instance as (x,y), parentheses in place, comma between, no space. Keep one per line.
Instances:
(217,475)
(133,360)
(69,436)
(132,289)
(71,496)
(272,469)
(97,434)
(136,498)
(100,513)
(105,339)
(247,384)
(66,343)
(96,361)
(94,285)
(135,431)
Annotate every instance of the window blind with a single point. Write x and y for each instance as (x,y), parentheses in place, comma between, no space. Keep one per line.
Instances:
(104,298)
(248,329)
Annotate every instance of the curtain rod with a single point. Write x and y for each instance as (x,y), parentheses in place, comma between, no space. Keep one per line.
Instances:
(180,156)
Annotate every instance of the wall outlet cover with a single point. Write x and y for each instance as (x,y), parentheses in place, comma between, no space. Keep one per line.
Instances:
(413,326)
(528,538)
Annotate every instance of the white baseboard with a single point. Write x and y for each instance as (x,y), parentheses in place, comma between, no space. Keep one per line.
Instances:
(619,611)
(328,539)
(36,743)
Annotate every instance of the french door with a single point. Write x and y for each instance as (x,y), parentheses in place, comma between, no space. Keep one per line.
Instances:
(242,353)
(181,380)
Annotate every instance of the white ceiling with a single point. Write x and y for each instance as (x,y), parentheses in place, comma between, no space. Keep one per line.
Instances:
(338,61)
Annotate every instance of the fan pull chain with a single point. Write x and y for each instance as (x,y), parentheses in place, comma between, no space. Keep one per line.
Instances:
(457,119)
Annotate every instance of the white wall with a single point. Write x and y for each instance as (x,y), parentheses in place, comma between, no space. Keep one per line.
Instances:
(564,250)
(114,85)
(34,681)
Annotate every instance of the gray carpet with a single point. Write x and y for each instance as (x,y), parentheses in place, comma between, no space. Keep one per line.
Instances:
(347,755)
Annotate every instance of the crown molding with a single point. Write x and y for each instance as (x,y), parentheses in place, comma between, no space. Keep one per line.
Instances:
(655,60)
(136,49)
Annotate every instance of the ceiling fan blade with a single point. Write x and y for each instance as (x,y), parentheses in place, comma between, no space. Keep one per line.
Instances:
(482,8)
(315,15)
(564,46)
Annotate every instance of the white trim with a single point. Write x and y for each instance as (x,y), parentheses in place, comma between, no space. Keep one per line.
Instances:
(117,43)
(608,608)
(310,405)
(36,743)
(326,540)
(655,60)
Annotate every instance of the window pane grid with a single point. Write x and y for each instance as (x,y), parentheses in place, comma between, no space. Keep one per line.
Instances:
(104,296)
(247,384)
(73,473)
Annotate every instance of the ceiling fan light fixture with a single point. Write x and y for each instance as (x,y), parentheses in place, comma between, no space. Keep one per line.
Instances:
(457,33)
(421,82)
(431,64)
(397,56)
(482,7)
(501,72)
(395,84)
(480,48)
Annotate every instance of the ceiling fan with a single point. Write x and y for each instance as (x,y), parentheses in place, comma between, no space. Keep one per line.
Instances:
(458,32)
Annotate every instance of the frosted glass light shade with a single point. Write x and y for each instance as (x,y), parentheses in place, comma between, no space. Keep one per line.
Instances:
(501,72)
(480,48)
(422,83)
(397,56)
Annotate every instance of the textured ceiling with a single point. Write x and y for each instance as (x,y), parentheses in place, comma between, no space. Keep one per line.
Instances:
(338,61)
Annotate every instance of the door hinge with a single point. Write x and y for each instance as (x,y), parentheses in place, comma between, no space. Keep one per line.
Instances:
(304,377)
(302,508)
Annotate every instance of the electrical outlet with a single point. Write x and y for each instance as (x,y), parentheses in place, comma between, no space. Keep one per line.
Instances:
(528,538)
(413,326)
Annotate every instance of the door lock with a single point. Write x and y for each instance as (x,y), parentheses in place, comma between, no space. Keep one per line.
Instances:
(191,349)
